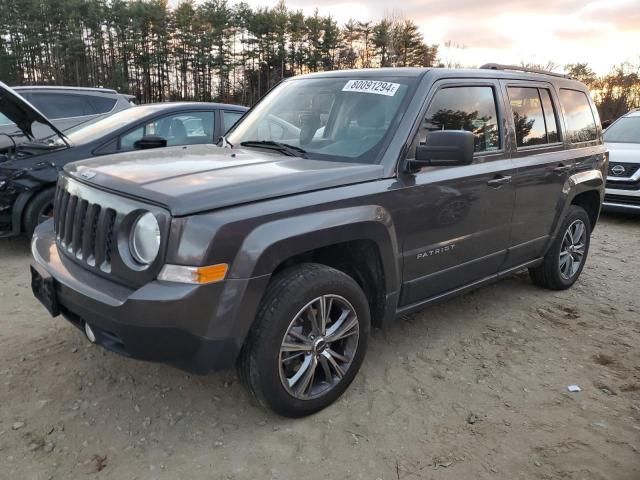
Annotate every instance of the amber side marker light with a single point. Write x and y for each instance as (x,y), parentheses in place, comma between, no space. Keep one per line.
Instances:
(194,275)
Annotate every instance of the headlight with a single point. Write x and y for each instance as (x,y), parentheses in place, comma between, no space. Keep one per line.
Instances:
(145,239)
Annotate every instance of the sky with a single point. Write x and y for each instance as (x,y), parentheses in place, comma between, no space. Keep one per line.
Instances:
(600,32)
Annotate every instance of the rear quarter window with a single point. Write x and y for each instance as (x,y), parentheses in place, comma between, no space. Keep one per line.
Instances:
(102,104)
(61,105)
(581,123)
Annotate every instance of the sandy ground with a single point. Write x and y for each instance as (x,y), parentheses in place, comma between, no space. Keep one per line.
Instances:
(475,388)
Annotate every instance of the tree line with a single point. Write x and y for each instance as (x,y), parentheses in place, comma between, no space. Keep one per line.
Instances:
(614,93)
(215,51)
(209,51)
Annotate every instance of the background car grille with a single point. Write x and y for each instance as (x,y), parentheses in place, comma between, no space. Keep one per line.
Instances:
(83,229)
(629,200)
(629,169)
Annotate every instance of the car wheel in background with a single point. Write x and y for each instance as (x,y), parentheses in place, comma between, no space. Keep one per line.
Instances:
(38,210)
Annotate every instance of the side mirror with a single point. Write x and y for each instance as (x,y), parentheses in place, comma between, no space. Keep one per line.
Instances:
(445,148)
(150,141)
(606,123)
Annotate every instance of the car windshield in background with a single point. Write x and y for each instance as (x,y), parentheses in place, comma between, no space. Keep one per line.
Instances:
(88,131)
(625,130)
(340,119)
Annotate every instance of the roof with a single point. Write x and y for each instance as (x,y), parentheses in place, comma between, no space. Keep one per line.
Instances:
(633,113)
(412,72)
(61,87)
(197,105)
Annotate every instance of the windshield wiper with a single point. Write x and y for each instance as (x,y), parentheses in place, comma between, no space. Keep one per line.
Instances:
(285,148)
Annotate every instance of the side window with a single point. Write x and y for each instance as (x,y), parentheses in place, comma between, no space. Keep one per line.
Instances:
(533,116)
(178,129)
(528,117)
(102,104)
(61,105)
(581,125)
(550,116)
(230,119)
(464,108)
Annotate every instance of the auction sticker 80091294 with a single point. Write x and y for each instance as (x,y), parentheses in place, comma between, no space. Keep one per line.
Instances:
(371,86)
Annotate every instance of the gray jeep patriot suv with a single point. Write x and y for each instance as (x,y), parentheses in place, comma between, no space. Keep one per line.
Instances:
(340,201)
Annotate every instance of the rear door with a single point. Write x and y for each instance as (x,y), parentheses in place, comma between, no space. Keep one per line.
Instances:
(457,219)
(544,159)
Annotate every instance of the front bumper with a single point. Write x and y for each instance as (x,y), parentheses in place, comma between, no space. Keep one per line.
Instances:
(621,200)
(198,328)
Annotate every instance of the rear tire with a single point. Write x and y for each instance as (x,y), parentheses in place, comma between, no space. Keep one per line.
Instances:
(297,361)
(38,210)
(565,260)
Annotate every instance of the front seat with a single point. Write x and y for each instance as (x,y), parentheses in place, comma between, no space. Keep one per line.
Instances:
(177,133)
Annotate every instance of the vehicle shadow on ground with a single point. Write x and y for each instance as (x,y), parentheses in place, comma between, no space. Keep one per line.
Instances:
(218,401)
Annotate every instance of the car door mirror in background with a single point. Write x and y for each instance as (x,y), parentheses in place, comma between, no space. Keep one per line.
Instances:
(445,148)
(150,141)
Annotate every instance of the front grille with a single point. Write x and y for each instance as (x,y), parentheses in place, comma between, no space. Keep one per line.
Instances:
(84,230)
(629,169)
(628,200)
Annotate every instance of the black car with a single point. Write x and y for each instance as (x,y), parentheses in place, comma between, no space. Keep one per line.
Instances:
(29,166)
(342,201)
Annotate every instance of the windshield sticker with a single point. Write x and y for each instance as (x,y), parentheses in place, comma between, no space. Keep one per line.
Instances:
(371,86)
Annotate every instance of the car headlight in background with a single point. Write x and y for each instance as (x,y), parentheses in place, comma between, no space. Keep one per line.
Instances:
(144,242)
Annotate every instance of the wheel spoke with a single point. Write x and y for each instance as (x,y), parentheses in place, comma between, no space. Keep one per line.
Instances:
(579,231)
(295,347)
(304,367)
(338,356)
(313,314)
(325,368)
(332,362)
(325,312)
(306,380)
(293,356)
(349,326)
(298,336)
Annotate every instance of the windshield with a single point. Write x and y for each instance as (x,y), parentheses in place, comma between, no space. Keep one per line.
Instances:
(86,132)
(625,130)
(339,119)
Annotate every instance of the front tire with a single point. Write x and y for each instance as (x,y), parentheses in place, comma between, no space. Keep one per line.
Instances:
(308,341)
(565,260)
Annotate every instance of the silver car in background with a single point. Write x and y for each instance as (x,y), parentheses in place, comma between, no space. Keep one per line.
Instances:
(623,180)
(67,107)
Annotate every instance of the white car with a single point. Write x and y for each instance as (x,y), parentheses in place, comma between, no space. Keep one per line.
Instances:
(623,180)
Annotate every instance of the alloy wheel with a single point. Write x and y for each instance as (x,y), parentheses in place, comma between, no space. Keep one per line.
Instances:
(573,249)
(318,347)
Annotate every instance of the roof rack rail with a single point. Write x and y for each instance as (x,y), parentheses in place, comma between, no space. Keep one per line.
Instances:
(498,66)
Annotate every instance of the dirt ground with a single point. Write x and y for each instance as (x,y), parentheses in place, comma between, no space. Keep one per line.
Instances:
(474,388)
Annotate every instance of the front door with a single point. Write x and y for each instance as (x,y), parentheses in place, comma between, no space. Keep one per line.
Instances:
(458,219)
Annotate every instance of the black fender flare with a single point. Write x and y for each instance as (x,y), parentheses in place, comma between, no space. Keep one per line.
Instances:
(576,184)
(271,243)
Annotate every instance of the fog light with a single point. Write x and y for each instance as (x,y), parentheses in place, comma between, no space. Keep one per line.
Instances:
(89,332)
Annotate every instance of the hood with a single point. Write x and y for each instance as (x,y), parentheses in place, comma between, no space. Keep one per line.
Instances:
(198,178)
(624,152)
(22,113)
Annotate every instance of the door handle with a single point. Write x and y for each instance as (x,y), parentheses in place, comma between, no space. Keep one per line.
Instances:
(562,168)
(499,180)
